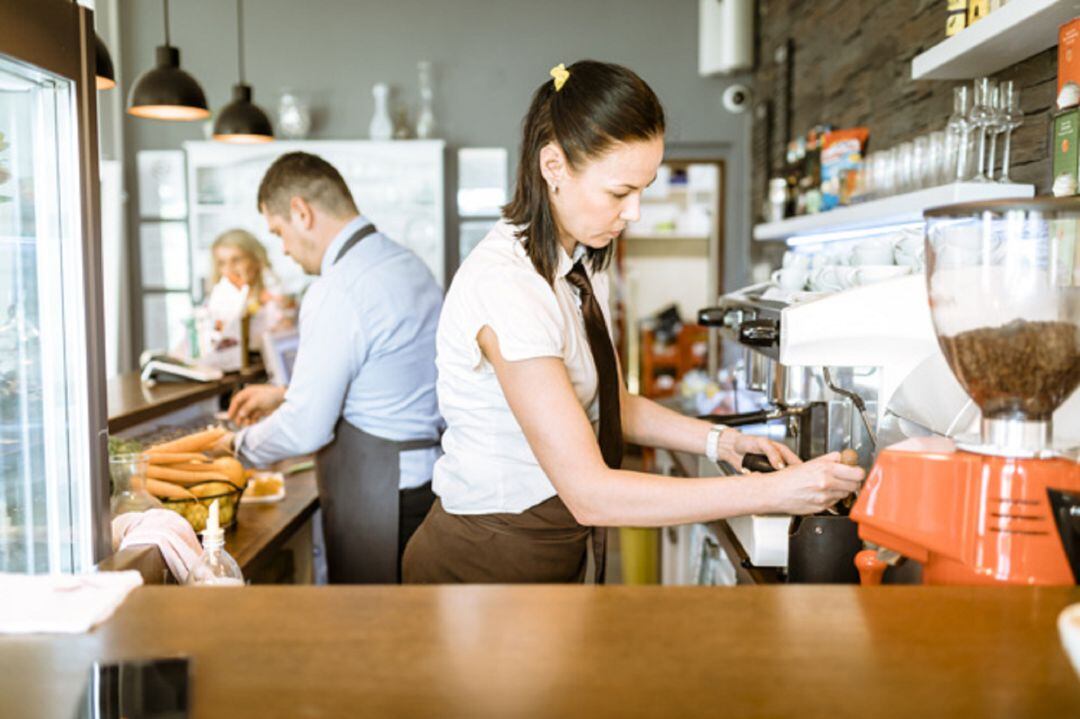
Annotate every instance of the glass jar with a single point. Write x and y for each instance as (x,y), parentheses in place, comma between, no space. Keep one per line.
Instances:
(128,474)
(294,115)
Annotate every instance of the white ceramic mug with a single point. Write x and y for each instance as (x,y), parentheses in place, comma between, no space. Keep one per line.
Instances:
(796,259)
(832,278)
(873,251)
(869,274)
(791,278)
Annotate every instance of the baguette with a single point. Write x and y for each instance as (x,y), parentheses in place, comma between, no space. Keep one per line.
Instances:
(175,457)
(191,443)
(177,476)
(167,490)
(213,489)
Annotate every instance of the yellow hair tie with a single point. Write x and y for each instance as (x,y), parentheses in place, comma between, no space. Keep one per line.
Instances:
(561,75)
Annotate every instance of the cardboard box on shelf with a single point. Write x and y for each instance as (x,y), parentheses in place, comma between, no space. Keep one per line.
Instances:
(956,16)
(977,10)
(1069,53)
(1066,130)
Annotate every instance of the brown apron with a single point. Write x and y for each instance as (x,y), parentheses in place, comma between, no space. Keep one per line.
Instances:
(543,544)
(359,476)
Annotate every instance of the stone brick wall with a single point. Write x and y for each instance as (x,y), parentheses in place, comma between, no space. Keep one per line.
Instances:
(851,64)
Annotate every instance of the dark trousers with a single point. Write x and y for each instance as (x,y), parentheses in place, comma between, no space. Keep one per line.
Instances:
(413,507)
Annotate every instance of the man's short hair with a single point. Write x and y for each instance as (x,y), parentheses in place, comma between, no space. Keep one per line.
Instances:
(301,174)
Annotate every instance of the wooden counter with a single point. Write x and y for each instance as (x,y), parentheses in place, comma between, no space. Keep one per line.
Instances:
(261,529)
(130,402)
(578,651)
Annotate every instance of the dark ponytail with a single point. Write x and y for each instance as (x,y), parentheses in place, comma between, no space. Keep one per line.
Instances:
(599,105)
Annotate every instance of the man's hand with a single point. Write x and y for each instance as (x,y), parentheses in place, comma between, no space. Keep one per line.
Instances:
(223,447)
(254,402)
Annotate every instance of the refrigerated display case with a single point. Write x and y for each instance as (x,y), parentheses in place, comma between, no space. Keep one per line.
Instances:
(53,492)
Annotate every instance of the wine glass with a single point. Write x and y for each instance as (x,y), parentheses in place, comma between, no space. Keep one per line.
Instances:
(1012,117)
(980,117)
(995,125)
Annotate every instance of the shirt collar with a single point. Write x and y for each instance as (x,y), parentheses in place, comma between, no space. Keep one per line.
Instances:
(567,262)
(354,226)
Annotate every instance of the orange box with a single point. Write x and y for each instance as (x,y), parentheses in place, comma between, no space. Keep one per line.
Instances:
(1069,53)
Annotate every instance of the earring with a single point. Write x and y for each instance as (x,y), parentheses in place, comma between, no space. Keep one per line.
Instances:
(555,189)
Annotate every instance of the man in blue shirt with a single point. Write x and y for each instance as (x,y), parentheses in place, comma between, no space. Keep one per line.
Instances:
(362,391)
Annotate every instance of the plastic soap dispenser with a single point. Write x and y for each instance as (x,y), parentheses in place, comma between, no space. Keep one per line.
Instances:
(215,567)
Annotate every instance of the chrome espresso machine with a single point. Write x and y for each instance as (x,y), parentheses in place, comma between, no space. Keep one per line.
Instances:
(820,366)
(862,368)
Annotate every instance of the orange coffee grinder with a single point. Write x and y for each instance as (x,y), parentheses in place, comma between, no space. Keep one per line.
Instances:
(1003,279)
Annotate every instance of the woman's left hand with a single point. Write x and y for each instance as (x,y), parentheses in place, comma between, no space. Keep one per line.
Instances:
(779,454)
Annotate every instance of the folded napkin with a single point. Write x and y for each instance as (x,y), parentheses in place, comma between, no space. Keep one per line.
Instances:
(162,527)
(64,603)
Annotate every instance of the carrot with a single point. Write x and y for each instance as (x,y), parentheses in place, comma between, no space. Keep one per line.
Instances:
(195,467)
(167,490)
(169,474)
(175,457)
(190,443)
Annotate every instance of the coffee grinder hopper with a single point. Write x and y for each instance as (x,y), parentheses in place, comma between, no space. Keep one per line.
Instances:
(1003,281)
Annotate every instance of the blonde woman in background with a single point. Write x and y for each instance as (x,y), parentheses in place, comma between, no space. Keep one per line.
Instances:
(239,256)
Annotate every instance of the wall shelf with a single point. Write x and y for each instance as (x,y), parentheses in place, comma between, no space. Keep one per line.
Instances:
(898,209)
(1003,38)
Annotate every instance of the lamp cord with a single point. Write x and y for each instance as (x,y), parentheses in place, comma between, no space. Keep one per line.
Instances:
(240,37)
(167,43)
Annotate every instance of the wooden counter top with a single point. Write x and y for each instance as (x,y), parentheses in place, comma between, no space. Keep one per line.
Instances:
(130,402)
(578,651)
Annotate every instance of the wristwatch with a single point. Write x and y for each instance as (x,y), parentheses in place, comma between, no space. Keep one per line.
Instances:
(712,442)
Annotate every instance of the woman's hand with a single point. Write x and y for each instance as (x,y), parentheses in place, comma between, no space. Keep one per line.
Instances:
(254,402)
(734,445)
(813,486)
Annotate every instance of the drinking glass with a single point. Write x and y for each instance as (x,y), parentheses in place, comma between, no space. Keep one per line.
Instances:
(128,474)
(920,162)
(938,163)
(957,136)
(904,165)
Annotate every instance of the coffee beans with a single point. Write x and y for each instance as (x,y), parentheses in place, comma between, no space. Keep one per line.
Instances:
(1021,368)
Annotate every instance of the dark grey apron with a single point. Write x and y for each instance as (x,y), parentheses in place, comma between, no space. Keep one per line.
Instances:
(359,476)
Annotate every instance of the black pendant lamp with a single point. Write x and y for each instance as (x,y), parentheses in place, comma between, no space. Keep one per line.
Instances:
(166,92)
(242,121)
(104,75)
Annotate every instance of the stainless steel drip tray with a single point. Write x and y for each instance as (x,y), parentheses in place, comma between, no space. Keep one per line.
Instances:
(763,537)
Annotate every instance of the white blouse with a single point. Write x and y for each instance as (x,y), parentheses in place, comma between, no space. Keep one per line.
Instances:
(488,466)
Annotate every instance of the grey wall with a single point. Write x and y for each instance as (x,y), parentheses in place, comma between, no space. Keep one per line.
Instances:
(489,56)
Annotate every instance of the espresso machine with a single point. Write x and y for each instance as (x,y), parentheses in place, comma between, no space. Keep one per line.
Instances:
(824,365)
(1002,507)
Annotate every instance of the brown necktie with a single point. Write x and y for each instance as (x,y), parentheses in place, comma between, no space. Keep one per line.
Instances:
(607,378)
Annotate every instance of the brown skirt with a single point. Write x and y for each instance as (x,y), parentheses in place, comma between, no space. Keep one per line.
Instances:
(543,544)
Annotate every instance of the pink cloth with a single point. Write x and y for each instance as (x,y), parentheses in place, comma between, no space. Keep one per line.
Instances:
(164,528)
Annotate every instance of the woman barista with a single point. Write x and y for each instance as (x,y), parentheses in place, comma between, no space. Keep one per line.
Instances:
(528,380)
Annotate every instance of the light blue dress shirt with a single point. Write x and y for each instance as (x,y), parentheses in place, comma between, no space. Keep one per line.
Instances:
(367,352)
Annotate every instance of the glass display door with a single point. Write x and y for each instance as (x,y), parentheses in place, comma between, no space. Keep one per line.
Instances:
(51,416)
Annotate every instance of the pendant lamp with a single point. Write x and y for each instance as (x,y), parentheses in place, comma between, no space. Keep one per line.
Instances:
(166,92)
(105,75)
(242,121)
